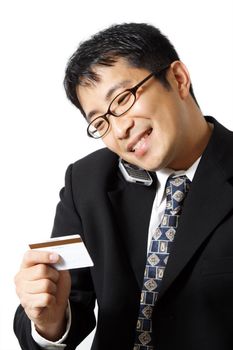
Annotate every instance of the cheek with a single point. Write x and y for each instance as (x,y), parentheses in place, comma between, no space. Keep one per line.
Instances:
(145,107)
(168,116)
(111,143)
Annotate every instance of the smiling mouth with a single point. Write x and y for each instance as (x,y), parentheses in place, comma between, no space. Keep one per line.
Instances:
(140,141)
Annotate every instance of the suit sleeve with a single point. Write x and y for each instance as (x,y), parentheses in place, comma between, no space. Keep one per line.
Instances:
(82,297)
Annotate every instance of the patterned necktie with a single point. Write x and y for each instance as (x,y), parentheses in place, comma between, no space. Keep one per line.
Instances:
(157,257)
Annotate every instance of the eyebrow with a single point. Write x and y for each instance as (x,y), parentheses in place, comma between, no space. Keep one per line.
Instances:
(109,95)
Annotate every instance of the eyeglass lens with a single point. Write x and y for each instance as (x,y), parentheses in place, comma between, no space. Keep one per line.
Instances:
(121,104)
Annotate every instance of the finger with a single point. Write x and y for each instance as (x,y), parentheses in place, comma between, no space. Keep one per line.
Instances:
(40,286)
(33,257)
(40,271)
(34,313)
(42,300)
(36,272)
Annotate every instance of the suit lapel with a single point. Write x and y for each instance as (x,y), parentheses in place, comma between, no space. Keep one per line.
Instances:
(210,199)
(132,205)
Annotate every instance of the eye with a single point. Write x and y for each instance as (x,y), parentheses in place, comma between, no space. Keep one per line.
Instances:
(99,124)
(123,98)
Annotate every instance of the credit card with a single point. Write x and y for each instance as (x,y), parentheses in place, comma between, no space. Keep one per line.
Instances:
(71,249)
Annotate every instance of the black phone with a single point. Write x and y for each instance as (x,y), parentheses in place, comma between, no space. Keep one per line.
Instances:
(133,173)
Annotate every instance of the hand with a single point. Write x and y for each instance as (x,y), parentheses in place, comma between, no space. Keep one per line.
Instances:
(43,292)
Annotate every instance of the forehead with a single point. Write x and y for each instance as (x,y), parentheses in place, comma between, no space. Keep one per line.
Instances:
(111,81)
(120,66)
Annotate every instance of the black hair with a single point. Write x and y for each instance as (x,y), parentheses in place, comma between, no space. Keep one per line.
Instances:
(141,44)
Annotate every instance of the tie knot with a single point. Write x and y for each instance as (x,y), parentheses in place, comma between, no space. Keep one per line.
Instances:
(176,191)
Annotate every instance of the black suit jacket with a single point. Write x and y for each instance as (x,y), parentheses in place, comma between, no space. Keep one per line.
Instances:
(194,310)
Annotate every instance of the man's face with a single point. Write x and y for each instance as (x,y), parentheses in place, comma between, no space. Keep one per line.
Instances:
(154,133)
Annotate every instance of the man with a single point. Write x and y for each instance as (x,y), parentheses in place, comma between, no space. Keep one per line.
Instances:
(137,96)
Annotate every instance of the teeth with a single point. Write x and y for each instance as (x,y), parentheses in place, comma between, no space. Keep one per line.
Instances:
(141,141)
(139,144)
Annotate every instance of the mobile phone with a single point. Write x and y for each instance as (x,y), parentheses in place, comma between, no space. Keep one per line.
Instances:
(133,173)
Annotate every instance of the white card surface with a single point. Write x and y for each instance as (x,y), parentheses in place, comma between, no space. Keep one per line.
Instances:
(71,249)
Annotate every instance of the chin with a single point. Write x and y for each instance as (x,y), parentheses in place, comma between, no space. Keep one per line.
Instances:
(147,163)
(152,166)
(146,166)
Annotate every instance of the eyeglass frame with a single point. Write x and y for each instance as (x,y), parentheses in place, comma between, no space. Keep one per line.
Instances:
(133,91)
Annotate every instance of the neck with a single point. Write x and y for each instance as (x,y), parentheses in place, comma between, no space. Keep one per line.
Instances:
(195,142)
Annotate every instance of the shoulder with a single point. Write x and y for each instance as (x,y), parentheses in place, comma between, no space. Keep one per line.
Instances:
(101,156)
(220,147)
(100,161)
(99,167)
(220,131)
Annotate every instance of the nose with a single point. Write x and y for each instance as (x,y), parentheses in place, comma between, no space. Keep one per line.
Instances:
(121,126)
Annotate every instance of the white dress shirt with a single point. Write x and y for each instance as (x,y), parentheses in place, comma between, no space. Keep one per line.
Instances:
(157,211)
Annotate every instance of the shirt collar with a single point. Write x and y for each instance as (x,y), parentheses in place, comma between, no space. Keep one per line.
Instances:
(163,175)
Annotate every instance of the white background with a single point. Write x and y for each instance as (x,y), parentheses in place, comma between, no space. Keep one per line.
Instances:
(41,133)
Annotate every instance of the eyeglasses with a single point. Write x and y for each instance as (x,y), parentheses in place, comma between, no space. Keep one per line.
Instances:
(119,106)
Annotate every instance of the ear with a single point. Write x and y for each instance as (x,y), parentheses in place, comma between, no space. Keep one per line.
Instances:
(181,78)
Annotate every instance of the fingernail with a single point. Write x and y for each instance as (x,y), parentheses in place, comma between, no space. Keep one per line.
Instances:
(53,257)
